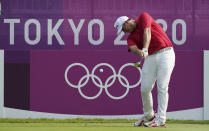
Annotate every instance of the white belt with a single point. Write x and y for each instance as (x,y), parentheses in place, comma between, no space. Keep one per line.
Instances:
(162,50)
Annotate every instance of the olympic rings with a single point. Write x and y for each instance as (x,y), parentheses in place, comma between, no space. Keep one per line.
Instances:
(100,84)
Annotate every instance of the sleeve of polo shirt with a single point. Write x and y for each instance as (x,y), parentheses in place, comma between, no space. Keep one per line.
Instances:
(146,20)
(130,42)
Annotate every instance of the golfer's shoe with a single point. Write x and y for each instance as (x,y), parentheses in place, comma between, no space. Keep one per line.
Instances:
(142,120)
(155,123)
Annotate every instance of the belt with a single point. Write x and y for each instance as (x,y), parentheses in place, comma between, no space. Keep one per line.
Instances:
(162,50)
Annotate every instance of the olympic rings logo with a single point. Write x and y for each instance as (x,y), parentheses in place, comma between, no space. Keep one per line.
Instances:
(100,84)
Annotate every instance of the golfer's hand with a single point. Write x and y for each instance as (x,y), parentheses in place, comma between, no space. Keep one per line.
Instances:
(138,52)
(145,53)
(141,54)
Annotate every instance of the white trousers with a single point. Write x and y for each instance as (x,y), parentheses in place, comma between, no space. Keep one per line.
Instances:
(157,67)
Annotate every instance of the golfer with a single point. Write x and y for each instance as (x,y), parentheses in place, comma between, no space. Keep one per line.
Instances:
(148,40)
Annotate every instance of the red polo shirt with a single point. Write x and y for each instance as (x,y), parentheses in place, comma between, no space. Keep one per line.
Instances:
(159,39)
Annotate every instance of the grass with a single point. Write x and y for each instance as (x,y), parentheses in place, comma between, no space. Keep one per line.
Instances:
(95,125)
(80,120)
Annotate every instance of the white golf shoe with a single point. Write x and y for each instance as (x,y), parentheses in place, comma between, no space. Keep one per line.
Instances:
(155,123)
(142,120)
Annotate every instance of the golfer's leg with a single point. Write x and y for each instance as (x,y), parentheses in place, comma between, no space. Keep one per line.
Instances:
(147,83)
(166,62)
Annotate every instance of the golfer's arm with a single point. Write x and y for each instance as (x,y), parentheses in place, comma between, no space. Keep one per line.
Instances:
(146,38)
(134,49)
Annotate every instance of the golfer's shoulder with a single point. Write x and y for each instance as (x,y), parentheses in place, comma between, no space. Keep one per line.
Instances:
(144,15)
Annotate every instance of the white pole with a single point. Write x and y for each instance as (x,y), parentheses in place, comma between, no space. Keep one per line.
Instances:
(2,84)
(0,7)
(206,85)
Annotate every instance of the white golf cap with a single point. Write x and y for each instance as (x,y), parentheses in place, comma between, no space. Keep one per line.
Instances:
(119,23)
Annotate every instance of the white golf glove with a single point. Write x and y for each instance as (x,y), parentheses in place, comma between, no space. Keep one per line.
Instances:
(145,50)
